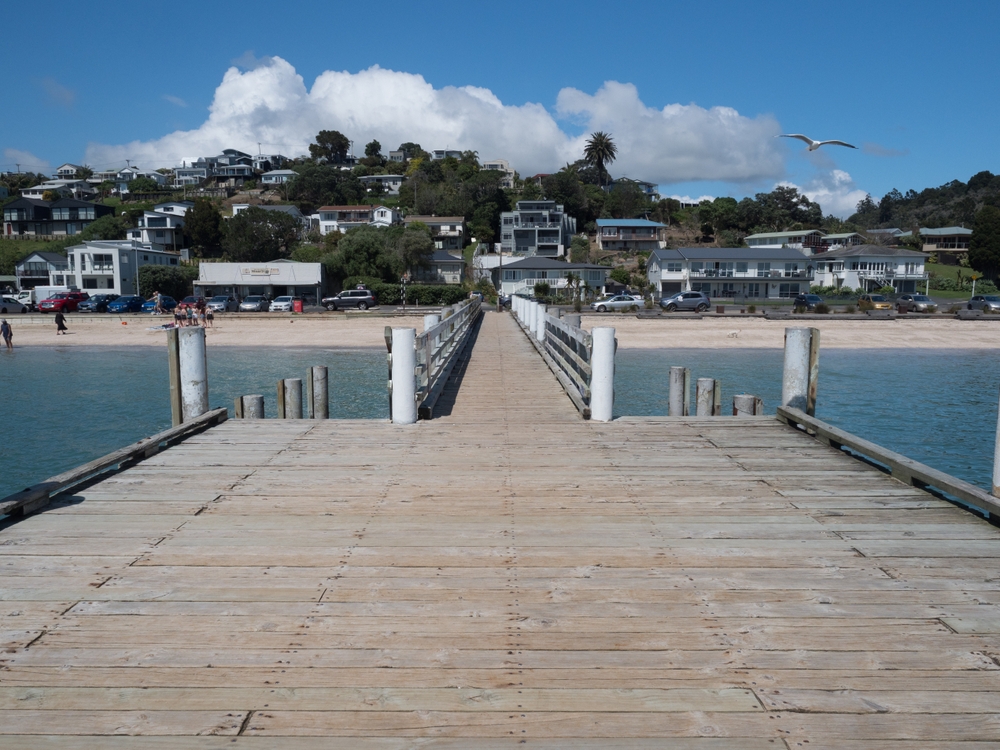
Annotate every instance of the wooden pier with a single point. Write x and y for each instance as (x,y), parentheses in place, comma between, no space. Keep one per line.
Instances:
(505,575)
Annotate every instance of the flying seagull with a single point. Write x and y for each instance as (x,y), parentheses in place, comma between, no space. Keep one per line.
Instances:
(813,145)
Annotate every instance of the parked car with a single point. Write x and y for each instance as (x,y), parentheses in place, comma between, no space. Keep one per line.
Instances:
(97,303)
(223,303)
(697,301)
(808,301)
(11,305)
(126,304)
(63,302)
(167,303)
(985,302)
(285,303)
(255,303)
(914,303)
(191,300)
(878,301)
(359,298)
(618,302)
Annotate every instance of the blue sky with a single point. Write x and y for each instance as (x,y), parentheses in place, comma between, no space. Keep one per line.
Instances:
(914,84)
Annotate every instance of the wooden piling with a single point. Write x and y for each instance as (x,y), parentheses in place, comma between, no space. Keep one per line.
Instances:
(678,404)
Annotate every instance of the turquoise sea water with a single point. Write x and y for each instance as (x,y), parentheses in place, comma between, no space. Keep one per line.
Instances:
(64,406)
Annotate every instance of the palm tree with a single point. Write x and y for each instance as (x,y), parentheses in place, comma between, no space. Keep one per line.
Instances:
(599,151)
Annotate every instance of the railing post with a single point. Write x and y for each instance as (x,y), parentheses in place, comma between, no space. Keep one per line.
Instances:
(319,392)
(293,398)
(996,462)
(801,371)
(539,330)
(193,367)
(705,397)
(404,385)
(679,403)
(602,374)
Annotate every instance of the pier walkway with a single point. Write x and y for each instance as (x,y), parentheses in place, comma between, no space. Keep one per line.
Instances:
(504,575)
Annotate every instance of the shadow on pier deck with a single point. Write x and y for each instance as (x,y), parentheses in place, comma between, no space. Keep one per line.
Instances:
(509,575)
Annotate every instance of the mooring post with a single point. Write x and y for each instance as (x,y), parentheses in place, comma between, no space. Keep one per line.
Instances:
(801,371)
(319,393)
(679,401)
(404,384)
(705,395)
(238,407)
(996,462)
(747,405)
(174,371)
(539,330)
(253,406)
(602,374)
(431,320)
(193,367)
(293,398)
(281,399)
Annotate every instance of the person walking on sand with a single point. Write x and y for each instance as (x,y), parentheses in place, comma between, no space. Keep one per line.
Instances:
(7,333)
(201,314)
(158,299)
(60,323)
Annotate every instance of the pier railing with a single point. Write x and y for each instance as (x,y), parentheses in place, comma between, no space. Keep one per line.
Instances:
(571,349)
(419,365)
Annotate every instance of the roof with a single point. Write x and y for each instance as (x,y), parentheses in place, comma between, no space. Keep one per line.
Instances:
(541,263)
(281,171)
(944,231)
(868,250)
(443,256)
(27,202)
(892,230)
(345,208)
(76,202)
(730,253)
(435,219)
(841,236)
(290,210)
(46,256)
(628,223)
(779,235)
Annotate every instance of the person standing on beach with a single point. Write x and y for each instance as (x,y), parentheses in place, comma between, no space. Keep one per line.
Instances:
(7,333)
(60,323)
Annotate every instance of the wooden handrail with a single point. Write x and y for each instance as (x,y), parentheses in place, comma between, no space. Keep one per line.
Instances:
(437,351)
(902,468)
(37,496)
(567,352)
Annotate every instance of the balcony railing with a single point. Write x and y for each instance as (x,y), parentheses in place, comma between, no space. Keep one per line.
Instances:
(713,273)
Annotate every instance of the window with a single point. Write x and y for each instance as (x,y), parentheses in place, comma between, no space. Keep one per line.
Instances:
(791,268)
(609,232)
(508,275)
(788,290)
(673,267)
(90,283)
(741,267)
(763,269)
(753,290)
(697,266)
(173,261)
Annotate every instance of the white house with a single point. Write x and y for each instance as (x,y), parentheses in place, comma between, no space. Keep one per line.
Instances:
(807,240)
(448,232)
(40,268)
(443,153)
(629,234)
(390,182)
(765,273)
(111,266)
(343,218)
(125,176)
(520,276)
(274,278)
(502,166)
(78,189)
(67,171)
(163,227)
(872,267)
(278,176)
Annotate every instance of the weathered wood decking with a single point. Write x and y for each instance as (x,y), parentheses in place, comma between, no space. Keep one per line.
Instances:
(506,575)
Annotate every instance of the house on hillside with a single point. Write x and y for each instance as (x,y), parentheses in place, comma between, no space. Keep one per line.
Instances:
(125,176)
(444,268)
(650,189)
(448,232)
(502,166)
(78,189)
(68,172)
(162,228)
(65,217)
(278,177)
(536,227)
(443,153)
(752,273)
(390,182)
(343,218)
(872,267)
(629,234)
(950,243)
(844,239)
(40,269)
(807,240)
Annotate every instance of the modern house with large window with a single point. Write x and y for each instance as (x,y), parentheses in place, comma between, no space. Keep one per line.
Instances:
(536,227)
(807,240)
(163,227)
(520,276)
(40,269)
(65,217)
(111,266)
(629,234)
(950,243)
(448,232)
(872,267)
(755,273)
(343,218)
(502,166)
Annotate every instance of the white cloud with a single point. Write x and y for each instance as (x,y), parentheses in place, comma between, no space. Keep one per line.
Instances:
(175,100)
(834,191)
(58,93)
(689,199)
(265,100)
(28,161)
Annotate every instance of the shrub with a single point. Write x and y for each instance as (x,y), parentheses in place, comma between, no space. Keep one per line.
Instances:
(799,310)
(751,308)
(931,309)
(850,310)
(822,309)
(954,309)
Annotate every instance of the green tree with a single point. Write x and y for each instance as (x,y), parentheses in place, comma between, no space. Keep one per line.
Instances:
(984,245)
(411,249)
(331,146)
(108,227)
(579,249)
(323,185)
(373,149)
(627,200)
(203,227)
(174,281)
(599,152)
(361,252)
(258,236)
(143,185)
(84,172)
(621,275)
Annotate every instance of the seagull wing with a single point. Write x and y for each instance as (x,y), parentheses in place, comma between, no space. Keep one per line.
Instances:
(803,138)
(836,143)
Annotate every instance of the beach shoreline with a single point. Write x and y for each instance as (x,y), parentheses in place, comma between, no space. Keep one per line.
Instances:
(360,330)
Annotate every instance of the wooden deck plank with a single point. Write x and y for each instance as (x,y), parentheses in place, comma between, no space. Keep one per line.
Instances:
(503,574)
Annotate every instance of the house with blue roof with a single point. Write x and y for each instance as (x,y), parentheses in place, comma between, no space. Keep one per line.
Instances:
(731,272)
(629,234)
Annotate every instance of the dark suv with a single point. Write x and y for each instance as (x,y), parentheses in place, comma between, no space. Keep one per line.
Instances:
(359,298)
(697,301)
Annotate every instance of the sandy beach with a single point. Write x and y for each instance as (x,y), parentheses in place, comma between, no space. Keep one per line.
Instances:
(354,330)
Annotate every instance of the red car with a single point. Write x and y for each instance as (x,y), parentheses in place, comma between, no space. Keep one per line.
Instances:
(62,302)
(190,301)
